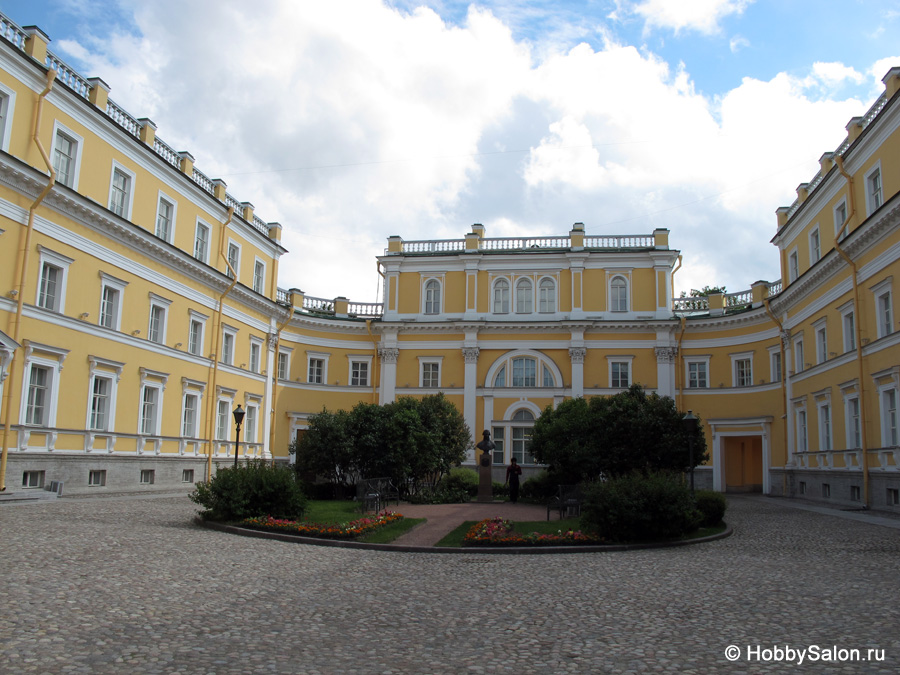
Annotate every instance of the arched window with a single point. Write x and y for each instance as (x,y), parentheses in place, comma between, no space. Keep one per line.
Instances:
(547,291)
(523,369)
(524,372)
(618,295)
(524,302)
(501,296)
(432,296)
(500,379)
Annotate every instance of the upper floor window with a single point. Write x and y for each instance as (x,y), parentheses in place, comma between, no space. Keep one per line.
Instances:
(255,351)
(618,294)
(547,291)
(815,246)
(7,103)
(524,297)
(524,372)
(165,219)
(52,282)
(874,197)
(259,276)
(284,365)
(234,260)
(619,374)
(793,266)
(195,333)
(65,156)
(884,310)
(821,343)
(518,369)
(39,391)
(501,296)
(359,373)
(698,374)
(111,293)
(229,337)
(431,374)
(159,308)
(432,296)
(120,191)
(743,373)
(840,217)
(316,370)
(775,366)
(848,321)
(201,242)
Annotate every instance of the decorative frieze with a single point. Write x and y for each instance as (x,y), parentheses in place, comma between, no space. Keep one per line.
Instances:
(471,354)
(577,354)
(388,355)
(666,354)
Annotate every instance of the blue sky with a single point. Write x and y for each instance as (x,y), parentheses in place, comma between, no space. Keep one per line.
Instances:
(352,120)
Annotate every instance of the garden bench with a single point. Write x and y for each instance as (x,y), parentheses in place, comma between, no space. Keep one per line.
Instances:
(567,501)
(374,493)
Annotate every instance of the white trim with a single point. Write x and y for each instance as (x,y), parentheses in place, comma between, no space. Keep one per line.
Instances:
(132,178)
(228,331)
(431,360)
(885,286)
(688,360)
(357,358)
(741,356)
(611,276)
(793,263)
(871,205)
(820,330)
(237,263)
(255,342)
(848,337)
(7,110)
(118,285)
(162,304)
(619,358)
(321,356)
(838,208)
(200,223)
(201,319)
(60,128)
(259,261)
(61,262)
(815,250)
(163,197)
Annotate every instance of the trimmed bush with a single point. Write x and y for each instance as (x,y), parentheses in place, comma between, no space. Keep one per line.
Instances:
(499,489)
(540,487)
(255,488)
(461,478)
(640,508)
(711,506)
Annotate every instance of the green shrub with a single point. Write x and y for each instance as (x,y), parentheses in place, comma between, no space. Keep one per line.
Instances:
(640,508)
(540,487)
(711,506)
(499,489)
(461,478)
(253,489)
(440,495)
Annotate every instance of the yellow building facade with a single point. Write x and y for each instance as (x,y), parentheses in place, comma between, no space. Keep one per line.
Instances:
(140,306)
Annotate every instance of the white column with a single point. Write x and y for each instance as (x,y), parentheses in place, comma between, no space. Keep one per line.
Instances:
(766,457)
(787,362)
(577,354)
(718,442)
(388,357)
(665,371)
(470,408)
(270,379)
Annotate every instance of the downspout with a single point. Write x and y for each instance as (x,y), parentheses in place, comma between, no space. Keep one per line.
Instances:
(784,396)
(375,364)
(22,269)
(857,328)
(211,401)
(274,374)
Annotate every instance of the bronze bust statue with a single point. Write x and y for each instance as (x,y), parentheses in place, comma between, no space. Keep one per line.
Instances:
(486,446)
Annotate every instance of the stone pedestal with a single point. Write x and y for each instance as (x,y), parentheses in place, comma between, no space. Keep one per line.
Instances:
(485,487)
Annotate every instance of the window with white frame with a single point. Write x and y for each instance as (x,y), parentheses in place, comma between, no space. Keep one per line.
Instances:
(547,296)
(33,479)
(824,410)
(874,197)
(359,371)
(7,104)
(151,395)
(53,269)
(848,324)
(234,259)
(884,311)
(619,372)
(802,443)
(851,422)
(499,437)
(793,265)
(775,372)
(190,408)
(430,374)
(815,245)
(121,189)
(742,369)
(799,356)
(66,153)
(97,478)
(165,218)
(111,292)
(229,338)
(522,429)
(840,217)
(223,415)
(821,341)
(201,242)
(501,297)
(259,276)
(697,372)
(889,431)
(618,294)
(432,296)
(255,352)
(528,369)
(317,367)
(284,365)
(40,390)
(250,422)
(101,389)
(524,372)
(196,329)
(159,309)
(524,296)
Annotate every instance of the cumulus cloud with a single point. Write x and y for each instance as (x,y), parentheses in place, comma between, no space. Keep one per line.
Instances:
(703,16)
(351,121)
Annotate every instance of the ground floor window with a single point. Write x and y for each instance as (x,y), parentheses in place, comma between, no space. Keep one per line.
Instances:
(516,434)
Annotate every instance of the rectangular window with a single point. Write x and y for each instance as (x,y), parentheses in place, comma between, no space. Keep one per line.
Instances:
(223,411)
(799,363)
(97,478)
(189,416)
(873,190)
(165,214)
(283,365)
(32,479)
(801,431)
(801,486)
(157,331)
(149,410)
(201,242)
(893,496)
(815,246)
(521,444)
(825,427)
(855,493)
(187,475)
(64,155)
(259,276)
(195,337)
(4,120)
(254,357)
(775,366)
(826,489)
(148,476)
(234,254)
(49,292)
(431,375)
(38,408)
(359,373)
(250,424)
(109,307)
(120,193)
(228,348)
(840,217)
(316,371)
(743,373)
(849,332)
(697,376)
(889,418)
(793,266)
(499,456)
(100,393)
(885,315)
(821,345)
(524,373)
(621,374)
(854,433)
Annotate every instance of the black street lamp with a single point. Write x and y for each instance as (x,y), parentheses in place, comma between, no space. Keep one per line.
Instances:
(690,428)
(238,420)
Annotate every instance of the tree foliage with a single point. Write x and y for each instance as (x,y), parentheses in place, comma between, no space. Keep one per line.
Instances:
(412,441)
(606,436)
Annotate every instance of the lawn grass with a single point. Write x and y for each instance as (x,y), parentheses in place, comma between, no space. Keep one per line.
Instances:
(388,533)
(331,511)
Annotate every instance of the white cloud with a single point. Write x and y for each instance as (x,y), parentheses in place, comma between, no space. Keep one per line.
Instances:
(737,43)
(702,16)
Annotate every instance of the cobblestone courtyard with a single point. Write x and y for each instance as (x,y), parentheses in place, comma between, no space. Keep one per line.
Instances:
(130,585)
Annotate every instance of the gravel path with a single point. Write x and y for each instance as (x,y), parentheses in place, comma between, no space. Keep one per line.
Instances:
(132,586)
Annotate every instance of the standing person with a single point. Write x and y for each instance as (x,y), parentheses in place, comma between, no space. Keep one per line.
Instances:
(513,471)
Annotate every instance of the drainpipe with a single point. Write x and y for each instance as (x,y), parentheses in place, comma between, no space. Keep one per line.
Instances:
(784,395)
(22,268)
(375,361)
(211,402)
(857,328)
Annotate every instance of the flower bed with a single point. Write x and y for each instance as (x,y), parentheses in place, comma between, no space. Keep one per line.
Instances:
(350,530)
(499,532)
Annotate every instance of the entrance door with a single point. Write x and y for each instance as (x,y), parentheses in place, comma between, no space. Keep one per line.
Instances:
(743,464)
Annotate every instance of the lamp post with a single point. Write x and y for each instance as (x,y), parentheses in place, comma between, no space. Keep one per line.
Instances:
(690,428)
(238,419)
